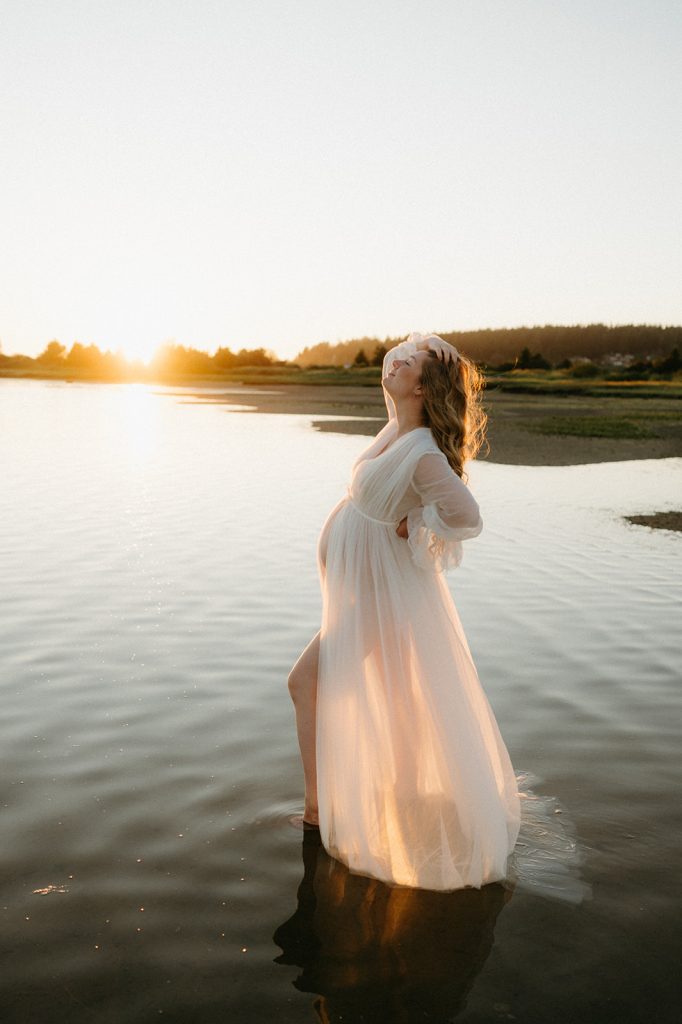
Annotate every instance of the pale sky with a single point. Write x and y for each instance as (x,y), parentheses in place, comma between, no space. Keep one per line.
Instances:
(281,172)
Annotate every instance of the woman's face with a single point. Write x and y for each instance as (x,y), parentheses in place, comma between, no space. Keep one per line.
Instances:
(405,375)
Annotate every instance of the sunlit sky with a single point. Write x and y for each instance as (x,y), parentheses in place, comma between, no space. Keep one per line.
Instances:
(262,173)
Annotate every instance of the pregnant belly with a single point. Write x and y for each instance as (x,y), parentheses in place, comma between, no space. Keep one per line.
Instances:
(323,540)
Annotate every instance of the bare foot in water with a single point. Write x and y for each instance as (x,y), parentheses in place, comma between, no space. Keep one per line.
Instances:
(309,819)
(311,816)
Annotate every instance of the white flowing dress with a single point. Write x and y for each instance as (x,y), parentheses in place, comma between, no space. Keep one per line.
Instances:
(415,785)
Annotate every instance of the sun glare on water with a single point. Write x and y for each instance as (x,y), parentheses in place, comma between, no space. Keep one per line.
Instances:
(139,423)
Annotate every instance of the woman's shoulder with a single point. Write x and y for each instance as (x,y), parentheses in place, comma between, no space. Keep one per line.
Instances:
(425,442)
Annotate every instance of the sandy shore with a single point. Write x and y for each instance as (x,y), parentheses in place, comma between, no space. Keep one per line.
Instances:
(528,430)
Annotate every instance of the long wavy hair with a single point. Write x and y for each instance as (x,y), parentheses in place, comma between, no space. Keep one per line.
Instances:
(452,392)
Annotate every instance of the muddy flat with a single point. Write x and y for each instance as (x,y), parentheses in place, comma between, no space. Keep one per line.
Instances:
(523,429)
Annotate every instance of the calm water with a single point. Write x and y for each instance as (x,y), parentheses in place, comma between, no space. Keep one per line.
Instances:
(158,582)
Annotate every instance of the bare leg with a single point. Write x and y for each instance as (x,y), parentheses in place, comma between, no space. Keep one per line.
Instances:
(303,690)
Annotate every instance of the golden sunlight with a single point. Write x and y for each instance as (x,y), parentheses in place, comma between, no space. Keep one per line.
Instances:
(140,349)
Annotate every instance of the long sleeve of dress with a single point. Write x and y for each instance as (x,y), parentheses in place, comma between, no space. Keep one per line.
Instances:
(449,514)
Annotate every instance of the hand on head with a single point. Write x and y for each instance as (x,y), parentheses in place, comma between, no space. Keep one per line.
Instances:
(446,353)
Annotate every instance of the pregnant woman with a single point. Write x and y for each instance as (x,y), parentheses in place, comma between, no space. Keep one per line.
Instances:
(406,773)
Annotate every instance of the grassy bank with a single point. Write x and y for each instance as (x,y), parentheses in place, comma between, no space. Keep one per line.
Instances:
(532,382)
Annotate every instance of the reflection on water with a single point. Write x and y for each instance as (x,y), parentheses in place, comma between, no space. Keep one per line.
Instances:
(159,580)
(379,953)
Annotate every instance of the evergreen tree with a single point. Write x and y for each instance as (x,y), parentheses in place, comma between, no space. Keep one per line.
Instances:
(379,355)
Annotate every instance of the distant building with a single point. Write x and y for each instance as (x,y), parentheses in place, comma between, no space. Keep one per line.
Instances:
(615,359)
(618,359)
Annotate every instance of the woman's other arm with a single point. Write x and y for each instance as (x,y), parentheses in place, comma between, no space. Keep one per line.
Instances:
(449,514)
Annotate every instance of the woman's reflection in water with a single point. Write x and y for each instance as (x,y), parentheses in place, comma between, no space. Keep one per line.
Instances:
(382,953)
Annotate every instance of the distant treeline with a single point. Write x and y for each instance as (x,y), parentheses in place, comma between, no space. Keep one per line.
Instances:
(168,360)
(495,347)
(636,350)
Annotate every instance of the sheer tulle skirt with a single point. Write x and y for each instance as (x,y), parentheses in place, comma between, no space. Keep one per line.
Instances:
(415,784)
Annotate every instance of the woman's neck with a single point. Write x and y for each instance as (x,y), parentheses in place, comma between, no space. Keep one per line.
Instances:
(408,420)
